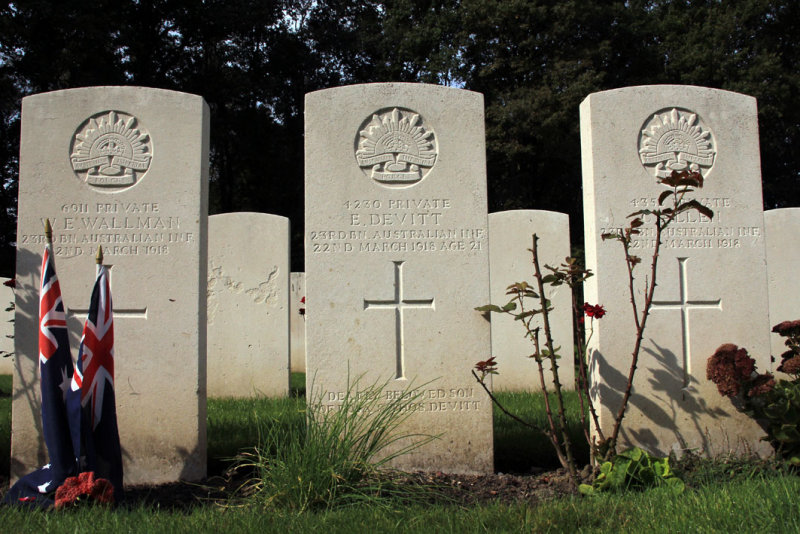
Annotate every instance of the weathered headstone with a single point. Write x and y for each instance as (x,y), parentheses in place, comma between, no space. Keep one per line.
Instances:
(510,261)
(397,258)
(248,305)
(711,275)
(297,321)
(6,328)
(782,236)
(125,168)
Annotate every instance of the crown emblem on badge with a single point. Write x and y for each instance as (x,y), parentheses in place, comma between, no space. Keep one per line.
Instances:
(109,150)
(676,140)
(396,148)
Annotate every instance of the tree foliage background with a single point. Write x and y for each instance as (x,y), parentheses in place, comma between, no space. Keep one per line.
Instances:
(534,60)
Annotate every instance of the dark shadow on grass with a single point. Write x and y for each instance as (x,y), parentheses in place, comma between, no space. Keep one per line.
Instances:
(522,450)
(297,385)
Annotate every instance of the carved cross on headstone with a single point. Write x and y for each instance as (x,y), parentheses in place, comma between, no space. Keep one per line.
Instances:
(119,312)
(685,305)
(399,304)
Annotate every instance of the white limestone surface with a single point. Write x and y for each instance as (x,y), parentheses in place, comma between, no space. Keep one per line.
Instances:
(248,305)
(510,261)
(397,258)
(125,168)
(711,272)
(297,321)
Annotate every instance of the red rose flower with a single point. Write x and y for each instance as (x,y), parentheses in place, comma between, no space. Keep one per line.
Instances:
(596,311)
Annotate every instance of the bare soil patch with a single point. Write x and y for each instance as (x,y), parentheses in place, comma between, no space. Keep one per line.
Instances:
(462,490)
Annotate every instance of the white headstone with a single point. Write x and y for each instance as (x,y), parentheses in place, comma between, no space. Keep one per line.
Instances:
(510,261)
(297,321)
(711,275)
(125,168)
(397,257)
(6,328)
(248,305)
(782,229)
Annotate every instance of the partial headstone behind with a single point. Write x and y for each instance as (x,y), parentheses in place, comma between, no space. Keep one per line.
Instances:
(711,274)
(397,258)
(6,328)
(125,168)
(248,305)
(297,321)
(510,240)
(782,229)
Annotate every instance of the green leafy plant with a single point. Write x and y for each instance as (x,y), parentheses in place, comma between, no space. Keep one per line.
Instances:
(671,202)
(522,294)
(679,184)
(339,456)
(633,469)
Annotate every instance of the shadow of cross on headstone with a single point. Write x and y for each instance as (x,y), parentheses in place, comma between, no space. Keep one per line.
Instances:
(399,304)
(685,305)
(119,312)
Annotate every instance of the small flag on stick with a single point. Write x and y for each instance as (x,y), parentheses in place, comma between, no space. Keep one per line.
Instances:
(98,445)
(55,373)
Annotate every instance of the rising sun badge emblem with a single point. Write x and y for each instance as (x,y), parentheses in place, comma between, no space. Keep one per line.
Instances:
(111,150)
(676,140)
(396,148)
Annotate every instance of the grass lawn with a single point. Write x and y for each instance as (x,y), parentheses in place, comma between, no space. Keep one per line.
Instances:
(733,496)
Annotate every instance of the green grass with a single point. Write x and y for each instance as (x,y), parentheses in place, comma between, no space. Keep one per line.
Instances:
(517,449)
(297,385)
(236,424)
(742,506)
(334,458)
(733,495)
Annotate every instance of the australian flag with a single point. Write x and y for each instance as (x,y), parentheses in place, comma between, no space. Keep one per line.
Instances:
(55,374)
(92,391)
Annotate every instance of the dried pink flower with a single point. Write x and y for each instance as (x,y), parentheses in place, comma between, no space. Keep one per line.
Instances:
(99,490)
(787,328)
(790,365)
(761,384)
(728,368)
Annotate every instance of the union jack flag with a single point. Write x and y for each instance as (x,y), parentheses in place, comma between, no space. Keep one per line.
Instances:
(55,374)
(93,384)
(96,356)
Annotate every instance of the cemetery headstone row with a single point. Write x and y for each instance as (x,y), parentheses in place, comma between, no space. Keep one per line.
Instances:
(397,258)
